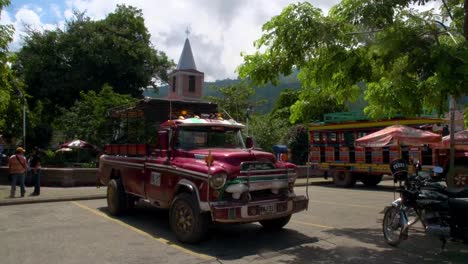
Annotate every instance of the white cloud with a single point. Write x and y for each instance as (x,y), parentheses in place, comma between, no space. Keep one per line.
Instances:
(5,18)
(28,17)
(220,29)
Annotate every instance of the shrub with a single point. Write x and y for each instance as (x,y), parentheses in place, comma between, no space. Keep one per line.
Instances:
(297,140)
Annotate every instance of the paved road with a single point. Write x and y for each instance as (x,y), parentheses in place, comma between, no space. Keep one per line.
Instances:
(341,226)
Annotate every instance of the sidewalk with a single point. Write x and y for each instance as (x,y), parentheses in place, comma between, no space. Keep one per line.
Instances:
(51,194)
(59,194)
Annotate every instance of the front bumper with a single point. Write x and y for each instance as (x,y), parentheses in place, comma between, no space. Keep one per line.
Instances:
(258,210)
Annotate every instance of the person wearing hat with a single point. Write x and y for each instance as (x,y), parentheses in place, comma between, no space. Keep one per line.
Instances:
(18,167)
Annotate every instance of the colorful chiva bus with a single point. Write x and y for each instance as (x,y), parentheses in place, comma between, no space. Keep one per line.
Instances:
(333,152)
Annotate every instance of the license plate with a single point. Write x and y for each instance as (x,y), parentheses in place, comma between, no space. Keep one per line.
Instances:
(267,209)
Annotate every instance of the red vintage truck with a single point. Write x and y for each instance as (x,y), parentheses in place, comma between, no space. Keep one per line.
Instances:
(202,171)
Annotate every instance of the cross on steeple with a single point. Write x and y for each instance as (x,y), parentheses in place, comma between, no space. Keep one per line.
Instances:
(187,31)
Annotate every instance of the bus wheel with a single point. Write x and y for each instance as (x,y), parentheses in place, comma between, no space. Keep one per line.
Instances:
(343,179)
(371,180)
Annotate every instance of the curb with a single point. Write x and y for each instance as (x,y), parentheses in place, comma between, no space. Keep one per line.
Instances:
(313,183)
(16,201)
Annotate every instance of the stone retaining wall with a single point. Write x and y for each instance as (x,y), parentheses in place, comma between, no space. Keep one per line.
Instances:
(60,177)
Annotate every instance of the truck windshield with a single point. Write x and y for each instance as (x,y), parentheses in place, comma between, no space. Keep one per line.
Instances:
(209,137)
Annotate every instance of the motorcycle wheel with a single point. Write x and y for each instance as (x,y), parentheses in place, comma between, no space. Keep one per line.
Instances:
(392,227)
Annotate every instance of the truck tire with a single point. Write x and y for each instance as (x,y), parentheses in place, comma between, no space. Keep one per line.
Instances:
(343,178)
(186,220)
(371,180)
(275,224)
(116,198)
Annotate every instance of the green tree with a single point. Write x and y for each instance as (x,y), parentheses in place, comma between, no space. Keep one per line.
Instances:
(57,65)
(403,60)
(235,99)
(281,108)
(11,88)
(297,141)
(88,118)
(267,131)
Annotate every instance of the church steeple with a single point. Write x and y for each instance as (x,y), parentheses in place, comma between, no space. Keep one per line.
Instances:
(186,61)
(186,82)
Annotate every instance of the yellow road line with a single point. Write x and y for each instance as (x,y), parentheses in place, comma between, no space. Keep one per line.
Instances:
(314,225)
(344,204)
(141,232)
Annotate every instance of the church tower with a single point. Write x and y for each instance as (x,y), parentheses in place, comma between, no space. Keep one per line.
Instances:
(186,82)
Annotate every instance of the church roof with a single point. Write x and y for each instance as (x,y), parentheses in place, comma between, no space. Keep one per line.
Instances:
(186,61)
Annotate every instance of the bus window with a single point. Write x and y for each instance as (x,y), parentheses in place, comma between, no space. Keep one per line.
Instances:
(332,137)
(340,136)
(316,137)
(362,134)
(349,138)
(324,137)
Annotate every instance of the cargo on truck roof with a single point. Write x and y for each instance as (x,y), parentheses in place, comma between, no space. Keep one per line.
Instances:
(160,110)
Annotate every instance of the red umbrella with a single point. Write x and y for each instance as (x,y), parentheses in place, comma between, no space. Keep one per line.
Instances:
(398,135)
(461,140)
(78,143)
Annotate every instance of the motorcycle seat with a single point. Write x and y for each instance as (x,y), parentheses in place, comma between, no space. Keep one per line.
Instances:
(457,193)
(458,203)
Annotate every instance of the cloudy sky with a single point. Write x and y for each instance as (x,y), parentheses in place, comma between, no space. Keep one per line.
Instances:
(220,29)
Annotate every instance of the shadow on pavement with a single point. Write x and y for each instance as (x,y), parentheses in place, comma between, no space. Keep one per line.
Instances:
(225,241)
(387,187)
(419,248)
(234,242)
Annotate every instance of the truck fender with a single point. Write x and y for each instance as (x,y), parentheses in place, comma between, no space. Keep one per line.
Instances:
(192,187)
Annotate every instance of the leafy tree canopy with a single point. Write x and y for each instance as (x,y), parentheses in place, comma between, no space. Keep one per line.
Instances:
(235,99)
(57,65)
(11,88)
(404,61)
(88,118)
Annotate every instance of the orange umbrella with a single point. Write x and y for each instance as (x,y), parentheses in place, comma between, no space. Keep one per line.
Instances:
(461,141)
(398,135)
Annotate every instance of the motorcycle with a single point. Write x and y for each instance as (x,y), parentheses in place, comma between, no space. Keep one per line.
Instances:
(443,212)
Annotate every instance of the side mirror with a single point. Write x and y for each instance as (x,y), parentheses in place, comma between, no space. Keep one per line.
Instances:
(249,142)
(163,139)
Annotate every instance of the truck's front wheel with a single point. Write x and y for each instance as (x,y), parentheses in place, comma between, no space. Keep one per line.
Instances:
(116,202)
(275,224)
(186,220)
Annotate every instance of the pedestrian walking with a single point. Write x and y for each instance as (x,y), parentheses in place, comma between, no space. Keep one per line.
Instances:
(18,167)
(35,166)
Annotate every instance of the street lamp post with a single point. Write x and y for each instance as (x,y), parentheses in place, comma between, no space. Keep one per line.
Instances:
(20,94)
(24,124)
(248,117)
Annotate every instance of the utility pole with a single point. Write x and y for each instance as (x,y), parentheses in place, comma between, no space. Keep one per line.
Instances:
(452,104)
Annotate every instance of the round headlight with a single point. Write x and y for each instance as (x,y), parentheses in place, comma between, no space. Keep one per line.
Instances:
(217,181)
